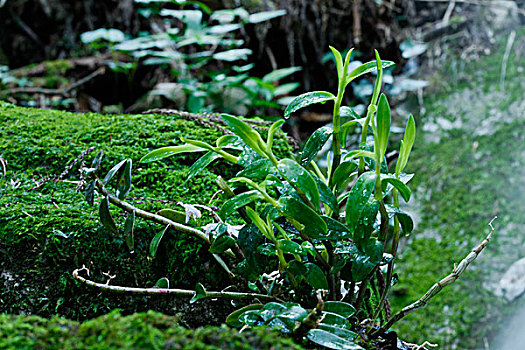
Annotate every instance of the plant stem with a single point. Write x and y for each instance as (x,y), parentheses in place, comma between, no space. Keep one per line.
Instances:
(437,287)
(180,292)
(336,121)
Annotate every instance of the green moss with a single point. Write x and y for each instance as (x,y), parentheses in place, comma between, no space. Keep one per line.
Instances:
(464,177)
(149,330)
(47,232)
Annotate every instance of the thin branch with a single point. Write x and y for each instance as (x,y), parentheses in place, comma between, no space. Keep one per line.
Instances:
(436,288)
(180,292)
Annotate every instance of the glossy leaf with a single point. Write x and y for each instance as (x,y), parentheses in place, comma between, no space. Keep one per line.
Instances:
(237,202)
(173,215)
(124,180)
(315,276)
(358,198)
(228,140)
(289,247)
(347,111)
(407,224)
(314,224)
(340,332)
(113,171)
(200,293)
(307,99)
(398,184)
(330,340)
(279,74)
(162,283)
(129,228)
(165,152)
(365,261)
(246,133)
(271,132)
(258,170)
(336,231)
(366,68)
(406,145)
(335,320)
(201,164)
(285,89)
(342,174)
(233,319)
(340,308)
(222,243)
(314,144)
(383,126)
(301,179)
(155,242)
(365,224)
(105,216)
(200,144)
(326,195)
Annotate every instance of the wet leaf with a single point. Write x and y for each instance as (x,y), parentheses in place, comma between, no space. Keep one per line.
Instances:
(326,195)
(307,99)
(200,293)
(314,224)
(201,164)
(233,319)
(336,320)
(155,242)
(336,230)
(301,179)
(340,332)
(105,216)
(289,247)
(113,171)
(246,133)
(315,276)
(258,170)
(165,152)
(407,224)
(222,243)
(129,228)
(340,308)
(237,202)
(406,145)
(173,215)
(366,68)
(398,184)
(342,174)
(271,132)
(330,340)
(358,198)
(314,144)
(338,62)
(124,180)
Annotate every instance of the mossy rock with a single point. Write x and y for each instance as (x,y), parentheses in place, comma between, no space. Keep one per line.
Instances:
(149,330)
(48,231)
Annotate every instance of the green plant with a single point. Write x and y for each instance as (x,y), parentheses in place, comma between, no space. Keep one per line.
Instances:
(196,50)
(314,243)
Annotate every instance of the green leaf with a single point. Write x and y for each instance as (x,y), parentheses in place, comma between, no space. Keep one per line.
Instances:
(383,126)
(258,170)
(370,254)
(336,231)
(315,276)
(200,293)
(89,193)
(261,225)
(222,243)
(346,112)
(285,89)
(96,161)
(162,283)
(360,193)
(342,174)
(289,247)
(338,62)
(406,145)
(113,171)
(279,74)
(105,216)
(265,16)
(227,141)
(129,227)
(173,215)
(201,164)
(237,202)
(307,99)
(314,224)
(314,144)
(200,144)
(165,152)
(154,245)
(366,68)
(397,183)
(271,132)
(340,308)
(301,179)
(407,224)
(233,319)
(233,55)
(246,133)
(325,194)
(336,320)
(124,180)
(330,340)
(360,153)
(340,332)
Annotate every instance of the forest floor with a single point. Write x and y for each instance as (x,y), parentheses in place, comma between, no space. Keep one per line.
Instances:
(469,161)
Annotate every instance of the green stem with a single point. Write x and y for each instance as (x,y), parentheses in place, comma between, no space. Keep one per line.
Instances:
(336,121)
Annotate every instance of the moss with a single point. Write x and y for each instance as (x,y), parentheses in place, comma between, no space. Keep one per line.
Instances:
(149,330)
(464,177)
(47,232)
